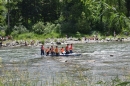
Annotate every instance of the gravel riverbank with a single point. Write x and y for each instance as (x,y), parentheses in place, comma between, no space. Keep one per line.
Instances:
(85,40)
(60,41)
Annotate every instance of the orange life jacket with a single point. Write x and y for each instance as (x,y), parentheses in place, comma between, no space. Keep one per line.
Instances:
(62,50)
(56,50)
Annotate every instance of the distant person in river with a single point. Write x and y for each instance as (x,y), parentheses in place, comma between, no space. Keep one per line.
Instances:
(42,50)
(114,34)
(66,36)
(47,51)
(67,49)
(71,48)
(57,51)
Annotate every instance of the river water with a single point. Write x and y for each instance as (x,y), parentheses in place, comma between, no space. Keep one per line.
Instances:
(99,61)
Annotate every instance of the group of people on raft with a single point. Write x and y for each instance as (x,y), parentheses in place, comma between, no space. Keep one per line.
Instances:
(56,51)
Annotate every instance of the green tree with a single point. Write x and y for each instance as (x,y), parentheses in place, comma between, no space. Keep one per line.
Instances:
(84,16)
(3,12)
(128,7)
(71,12)
(106,16)
(29,12)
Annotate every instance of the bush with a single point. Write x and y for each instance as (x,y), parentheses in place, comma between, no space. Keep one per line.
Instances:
(2,33)
(49,28)
(38,28)
(41,28)
(58,28)
(125,32)
(78,34)
(26,36)
(15,34)
(20,29)
(52,28)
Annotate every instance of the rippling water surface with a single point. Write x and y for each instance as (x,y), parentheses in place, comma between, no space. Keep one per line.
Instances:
(99,61)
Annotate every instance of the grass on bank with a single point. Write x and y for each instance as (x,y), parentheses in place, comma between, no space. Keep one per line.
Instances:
(33,36)
(17,77)
(28,36)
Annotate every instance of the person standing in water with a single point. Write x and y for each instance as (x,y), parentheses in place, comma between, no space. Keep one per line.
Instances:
(42,50)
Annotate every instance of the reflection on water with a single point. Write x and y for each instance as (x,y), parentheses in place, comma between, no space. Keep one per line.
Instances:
(99,61)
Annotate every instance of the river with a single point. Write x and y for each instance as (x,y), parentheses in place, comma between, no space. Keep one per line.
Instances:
(99,61)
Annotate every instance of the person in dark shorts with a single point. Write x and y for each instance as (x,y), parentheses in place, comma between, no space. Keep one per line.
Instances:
(42,50)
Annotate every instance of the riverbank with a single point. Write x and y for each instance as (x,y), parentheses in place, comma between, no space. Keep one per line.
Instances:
(60,41)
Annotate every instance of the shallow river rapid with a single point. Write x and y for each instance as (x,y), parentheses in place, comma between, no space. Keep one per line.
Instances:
(99,61)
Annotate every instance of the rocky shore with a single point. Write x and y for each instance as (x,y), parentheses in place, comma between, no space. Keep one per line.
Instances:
(59,41)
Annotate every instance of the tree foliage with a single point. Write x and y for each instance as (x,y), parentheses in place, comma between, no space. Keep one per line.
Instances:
(3,12)
(69,16)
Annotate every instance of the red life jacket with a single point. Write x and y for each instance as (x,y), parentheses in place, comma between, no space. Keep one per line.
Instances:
(70,47)
(67,48)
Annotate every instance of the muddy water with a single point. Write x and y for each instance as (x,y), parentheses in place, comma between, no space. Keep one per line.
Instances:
(99,61)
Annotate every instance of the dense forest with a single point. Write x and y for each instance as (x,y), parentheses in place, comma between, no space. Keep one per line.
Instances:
(64,16)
